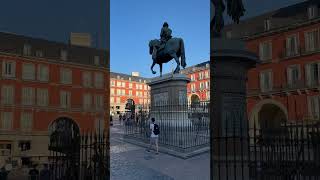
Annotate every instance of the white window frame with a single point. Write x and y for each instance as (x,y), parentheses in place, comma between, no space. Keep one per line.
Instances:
(65,99)
(312,44)
(65,76)
(9,119)
(28,71)
(26,121)
(27,49)
(43,73)
(27,96)
(308,74)
(86,79)
(289,51)
(8,64)
(289,74)
(7,95)
(313,107)
(87,101)
(265,56)
(42,97)
(263,88)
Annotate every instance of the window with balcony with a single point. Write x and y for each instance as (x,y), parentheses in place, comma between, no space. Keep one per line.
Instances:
(28,96)
(118,91)
(265,51)
(112,91)
(201,86)
(99,102)
(119,84)
(8,69)
(312,40)
(111,99)
(267,24)
(39,53)
(98,80)
(193,88)
(292,46)
(130,92)
(192,77)
(87,101)
(293,75)
(65,76)
(6,120)
(123,92)
(27,49)
(123,84)
(266,81)
(313,107)
(7,95)
(118,100)
(86,79)
(28,71)
(42,97)
(200,75)
(26,121)
(65,99)
(130,85)
(99,125)
(207,84)
(312,74)
(43,73)
(113,83)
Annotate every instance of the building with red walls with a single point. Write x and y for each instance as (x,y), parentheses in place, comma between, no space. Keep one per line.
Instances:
(285,86)
(42,82)
(199,87)
(125,87)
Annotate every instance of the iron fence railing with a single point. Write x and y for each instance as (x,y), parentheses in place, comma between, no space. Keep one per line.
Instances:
(183,127)
(289,152)
(85,159)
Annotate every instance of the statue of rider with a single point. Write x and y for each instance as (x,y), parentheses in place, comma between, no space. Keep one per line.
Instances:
(165,34)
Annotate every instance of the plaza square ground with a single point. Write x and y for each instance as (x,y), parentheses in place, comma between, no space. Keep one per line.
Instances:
(134,163)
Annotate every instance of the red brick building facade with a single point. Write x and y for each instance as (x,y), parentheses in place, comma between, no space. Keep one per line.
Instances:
(41,82)
(124,87)
(285,86)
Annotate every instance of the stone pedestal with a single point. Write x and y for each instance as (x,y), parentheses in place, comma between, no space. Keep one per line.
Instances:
(169,99)
(230,62)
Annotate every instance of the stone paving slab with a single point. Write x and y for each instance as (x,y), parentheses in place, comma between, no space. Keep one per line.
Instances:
(132,162)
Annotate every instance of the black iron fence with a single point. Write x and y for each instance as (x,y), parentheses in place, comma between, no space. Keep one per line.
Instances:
(183,127)
(86,157)
(288,152)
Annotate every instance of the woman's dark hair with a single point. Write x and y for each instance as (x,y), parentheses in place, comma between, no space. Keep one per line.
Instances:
(153,120)
(165,24)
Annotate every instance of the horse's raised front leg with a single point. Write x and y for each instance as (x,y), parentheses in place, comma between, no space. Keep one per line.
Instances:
(177,70)
(153,72)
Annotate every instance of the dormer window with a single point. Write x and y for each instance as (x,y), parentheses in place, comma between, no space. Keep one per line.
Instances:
(267,24)
(64,55)
(27,49)
(312,12)
(96,60)
(39,53)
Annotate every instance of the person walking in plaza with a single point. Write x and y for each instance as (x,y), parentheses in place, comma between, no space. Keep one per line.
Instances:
(154,128)
(120,119)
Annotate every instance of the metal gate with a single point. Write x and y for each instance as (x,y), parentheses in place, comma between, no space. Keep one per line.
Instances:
(75,156)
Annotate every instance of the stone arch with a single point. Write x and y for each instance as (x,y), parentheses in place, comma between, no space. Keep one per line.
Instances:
(194,98)
(268,113)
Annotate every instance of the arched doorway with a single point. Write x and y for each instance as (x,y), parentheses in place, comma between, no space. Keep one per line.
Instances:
(269,117)
(64,147)
(194,99)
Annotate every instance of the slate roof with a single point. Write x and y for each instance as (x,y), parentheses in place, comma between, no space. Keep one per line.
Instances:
(284,17)
(13,43)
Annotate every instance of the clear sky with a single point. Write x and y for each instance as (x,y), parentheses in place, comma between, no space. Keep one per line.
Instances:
(134,23)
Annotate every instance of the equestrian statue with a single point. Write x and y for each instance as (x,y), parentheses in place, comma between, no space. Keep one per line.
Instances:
(166,49)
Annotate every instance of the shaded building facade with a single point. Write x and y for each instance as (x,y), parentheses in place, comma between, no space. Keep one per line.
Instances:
(42,82)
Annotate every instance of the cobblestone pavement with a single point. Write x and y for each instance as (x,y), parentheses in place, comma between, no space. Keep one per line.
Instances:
(130,162)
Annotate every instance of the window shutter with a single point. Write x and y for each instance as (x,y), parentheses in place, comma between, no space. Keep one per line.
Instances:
(289,76)
(308,74)
(262,88)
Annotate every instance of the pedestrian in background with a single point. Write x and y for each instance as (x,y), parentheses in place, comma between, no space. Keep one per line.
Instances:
(154,128)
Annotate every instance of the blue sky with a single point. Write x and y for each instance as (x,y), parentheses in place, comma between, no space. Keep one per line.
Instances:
(134,23)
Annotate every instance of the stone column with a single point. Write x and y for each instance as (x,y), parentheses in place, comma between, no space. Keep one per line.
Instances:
(230,62)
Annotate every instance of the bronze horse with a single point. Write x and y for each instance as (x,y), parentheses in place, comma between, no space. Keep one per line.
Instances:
(173,49)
